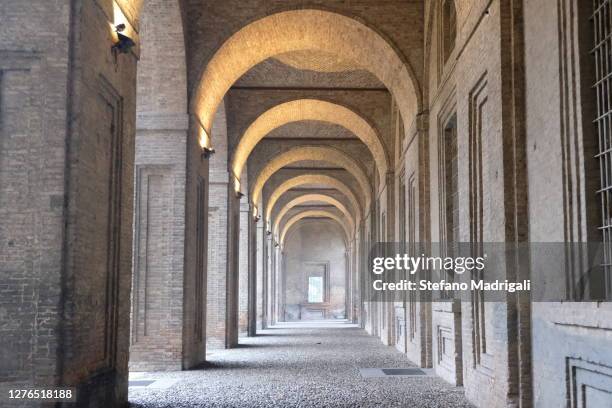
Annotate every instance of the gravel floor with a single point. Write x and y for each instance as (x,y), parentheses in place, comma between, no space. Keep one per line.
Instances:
(297,366)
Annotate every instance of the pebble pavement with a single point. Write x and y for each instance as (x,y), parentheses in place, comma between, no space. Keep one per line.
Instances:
(298,366)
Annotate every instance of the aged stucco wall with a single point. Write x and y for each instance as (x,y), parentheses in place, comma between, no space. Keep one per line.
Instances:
(313,244)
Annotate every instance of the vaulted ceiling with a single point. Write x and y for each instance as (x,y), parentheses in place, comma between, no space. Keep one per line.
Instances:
(364,55)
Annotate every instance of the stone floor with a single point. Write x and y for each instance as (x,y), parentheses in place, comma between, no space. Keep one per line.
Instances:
(296,365)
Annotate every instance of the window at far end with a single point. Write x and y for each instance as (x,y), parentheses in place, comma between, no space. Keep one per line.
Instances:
(315,289)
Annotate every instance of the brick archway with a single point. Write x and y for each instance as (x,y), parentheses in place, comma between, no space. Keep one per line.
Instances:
(308,198)
(313,214)
(313,179)
(309,109)
(299,30)
(317,153)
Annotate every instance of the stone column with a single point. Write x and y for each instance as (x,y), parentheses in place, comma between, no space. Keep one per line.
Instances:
(233,257)
(254,228)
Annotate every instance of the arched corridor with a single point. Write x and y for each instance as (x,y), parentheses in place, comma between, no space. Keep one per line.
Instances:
(254,203)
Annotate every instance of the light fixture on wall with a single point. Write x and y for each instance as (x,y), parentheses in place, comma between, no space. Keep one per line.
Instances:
(207,152)
(124,44)
(239,194)
(256,215)
(268,232)
(276,245)
(205,145)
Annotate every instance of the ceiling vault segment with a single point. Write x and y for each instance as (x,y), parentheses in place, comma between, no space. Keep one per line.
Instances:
(315,110)
(326,154)
(312,179)
(298,30)
(314,214)
(309,198)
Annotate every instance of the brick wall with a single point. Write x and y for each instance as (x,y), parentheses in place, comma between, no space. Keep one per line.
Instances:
(217,236)
(78,253)
(158,322)
(34,68)
(243,272)
(571,357)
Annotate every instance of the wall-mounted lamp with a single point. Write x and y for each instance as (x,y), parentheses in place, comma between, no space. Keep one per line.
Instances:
(276,245)
(205,145)
(256,215)
(207,152)
(268,232)
(124,44)
(236,184)
(239,194)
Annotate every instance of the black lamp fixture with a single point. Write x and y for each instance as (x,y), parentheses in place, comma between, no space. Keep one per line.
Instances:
(268,232)
(276,245)
(207,152)
(124,43)
(239,194)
